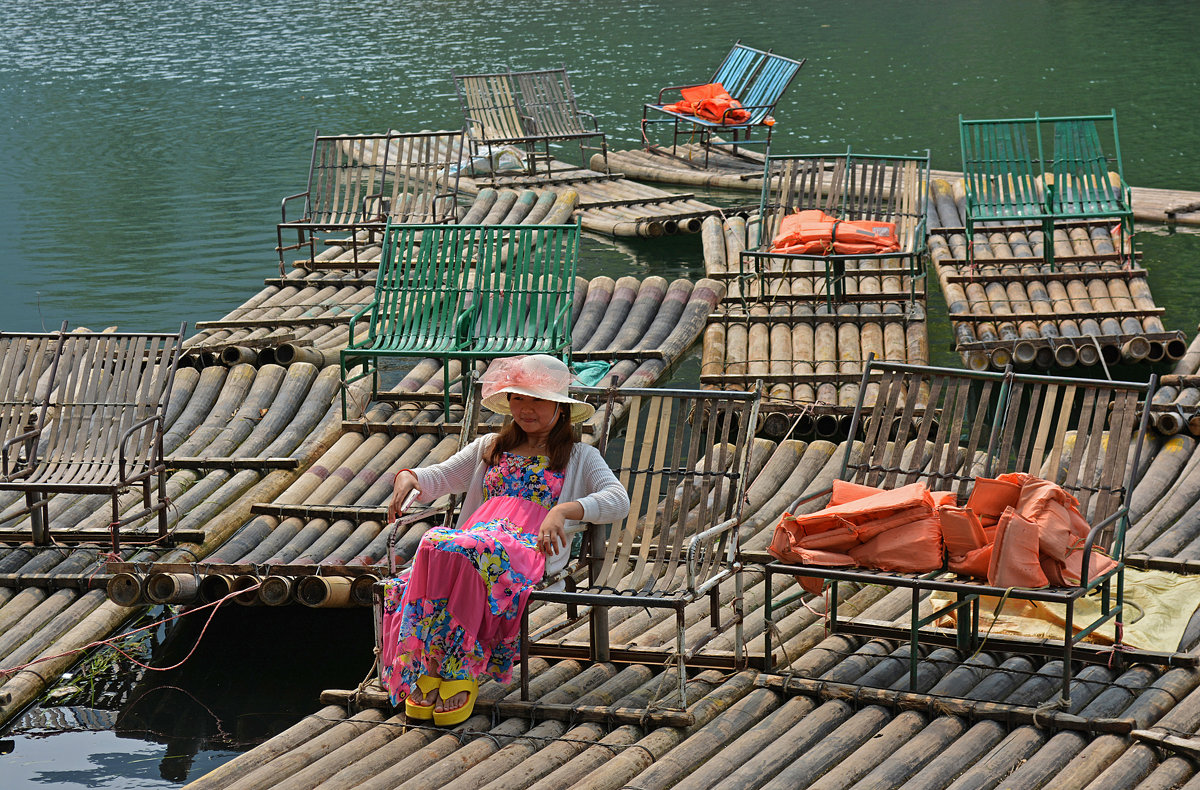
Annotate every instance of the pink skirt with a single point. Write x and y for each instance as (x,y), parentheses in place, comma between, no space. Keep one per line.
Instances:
(456,612)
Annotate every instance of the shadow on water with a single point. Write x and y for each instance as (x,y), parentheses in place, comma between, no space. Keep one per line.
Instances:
(253,674)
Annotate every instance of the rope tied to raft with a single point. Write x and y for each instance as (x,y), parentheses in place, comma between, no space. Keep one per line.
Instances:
(214,605)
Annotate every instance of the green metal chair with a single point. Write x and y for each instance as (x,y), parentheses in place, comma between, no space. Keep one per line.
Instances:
(467,293)
(1042,171)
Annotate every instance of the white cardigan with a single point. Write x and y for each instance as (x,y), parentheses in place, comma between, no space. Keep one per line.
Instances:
(587,480)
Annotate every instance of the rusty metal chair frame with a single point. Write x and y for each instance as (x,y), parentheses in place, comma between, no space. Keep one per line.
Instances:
(754,77)
(847,186)
(358,183)
(83,413)
(683,457)
(528,109)
(945,427)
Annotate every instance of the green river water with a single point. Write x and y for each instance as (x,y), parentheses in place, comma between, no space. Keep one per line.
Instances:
(144,149)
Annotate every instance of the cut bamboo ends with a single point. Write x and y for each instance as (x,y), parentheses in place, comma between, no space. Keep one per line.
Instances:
(1008,306)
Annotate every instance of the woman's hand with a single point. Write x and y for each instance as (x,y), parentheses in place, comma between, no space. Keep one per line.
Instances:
(402,486)
(552,534)
(552,537)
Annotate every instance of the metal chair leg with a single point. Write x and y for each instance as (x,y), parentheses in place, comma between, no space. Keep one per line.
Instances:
(525,653)
(680,640)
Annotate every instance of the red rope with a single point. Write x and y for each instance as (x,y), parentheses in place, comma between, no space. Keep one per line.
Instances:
(5,672)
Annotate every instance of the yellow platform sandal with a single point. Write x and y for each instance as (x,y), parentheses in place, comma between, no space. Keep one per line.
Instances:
(427,684)
(460,714)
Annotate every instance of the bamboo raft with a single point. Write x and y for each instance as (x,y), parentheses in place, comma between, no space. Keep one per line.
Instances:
(608,203)
(840,683)
(1093,307)
(808,349)
(831,717)
(243,436)
(744,173)
(323,543)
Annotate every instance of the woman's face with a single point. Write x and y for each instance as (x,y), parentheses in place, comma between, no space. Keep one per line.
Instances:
(533,415)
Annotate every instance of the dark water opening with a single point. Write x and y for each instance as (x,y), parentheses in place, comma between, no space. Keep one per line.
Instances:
(253,674)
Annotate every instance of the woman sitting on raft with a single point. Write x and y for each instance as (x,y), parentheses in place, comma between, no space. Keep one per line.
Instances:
(454,616)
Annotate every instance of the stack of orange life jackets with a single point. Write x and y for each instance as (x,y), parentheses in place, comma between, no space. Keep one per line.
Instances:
(710,102)
(814,232)
(1016,531)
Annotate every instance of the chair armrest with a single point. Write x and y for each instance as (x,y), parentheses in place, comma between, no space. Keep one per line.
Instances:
(462,326)
(405,520)
(677,88)
(354,319)
(366,202)
(591,117)
(706,536)
(283,205)
(811,497)
(560,320)
(125,440)
(31,433)
(1093,533)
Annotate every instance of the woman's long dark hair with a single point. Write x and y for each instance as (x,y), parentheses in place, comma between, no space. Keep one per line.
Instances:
(559,441)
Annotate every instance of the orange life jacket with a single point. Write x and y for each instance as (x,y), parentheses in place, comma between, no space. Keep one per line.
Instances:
(710,102)
(893,529)
(1015,558)
(813,232)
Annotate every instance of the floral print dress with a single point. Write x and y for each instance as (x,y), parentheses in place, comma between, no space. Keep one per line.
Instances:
(456,612)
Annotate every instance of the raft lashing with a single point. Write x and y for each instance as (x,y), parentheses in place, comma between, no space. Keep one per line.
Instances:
(1091,307)
(322,542)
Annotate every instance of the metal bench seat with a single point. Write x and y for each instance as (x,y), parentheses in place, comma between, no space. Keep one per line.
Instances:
(83,413)
(946,428)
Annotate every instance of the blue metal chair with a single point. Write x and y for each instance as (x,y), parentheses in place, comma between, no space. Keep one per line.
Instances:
(756,79)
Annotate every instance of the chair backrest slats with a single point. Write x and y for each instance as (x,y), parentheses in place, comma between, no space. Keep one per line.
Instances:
(738,68)
(520,107)
(28,365)
(92,390)
(681,460)
(474,291)
(1082,434)
(365,179)
(847,186)
(547,103)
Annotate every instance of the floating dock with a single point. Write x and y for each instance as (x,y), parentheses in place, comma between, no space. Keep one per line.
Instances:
(1091,307)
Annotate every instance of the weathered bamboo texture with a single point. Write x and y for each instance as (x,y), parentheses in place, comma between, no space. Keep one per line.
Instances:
(840,740)
(844,719)
(304,317)
(322,541)
(809,351)
(607,203)
(1090,308)
(744,173)
(217,415)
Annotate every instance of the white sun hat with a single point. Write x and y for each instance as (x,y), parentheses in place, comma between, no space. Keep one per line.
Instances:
(537,376)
